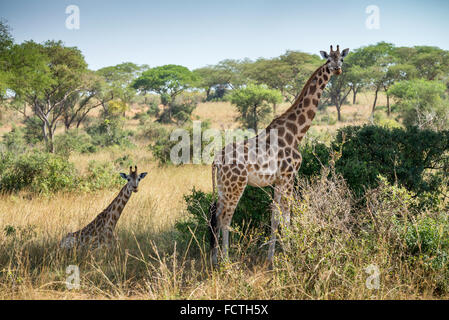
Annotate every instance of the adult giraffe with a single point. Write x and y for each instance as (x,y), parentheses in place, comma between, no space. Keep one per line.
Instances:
(245,162)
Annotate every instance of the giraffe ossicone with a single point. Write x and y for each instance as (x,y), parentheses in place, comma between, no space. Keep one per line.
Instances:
(100,232)
(245,163)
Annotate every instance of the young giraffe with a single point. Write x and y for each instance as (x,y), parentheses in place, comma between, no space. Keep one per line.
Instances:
(101,230)
(235,171)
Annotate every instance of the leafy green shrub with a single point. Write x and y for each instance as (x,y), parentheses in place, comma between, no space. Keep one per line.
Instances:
(404,156)
(253,211)
(73,141)
(162,146)
(380,119)
(33,130)
(37,172)
(110,132)
(179,111)
(328,119)
(14,141)
(101,175)
(421,102)
(153,131)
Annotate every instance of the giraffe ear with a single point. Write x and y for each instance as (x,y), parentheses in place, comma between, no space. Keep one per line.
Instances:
(143,174)
(324,55)
(345,53)
(123,175)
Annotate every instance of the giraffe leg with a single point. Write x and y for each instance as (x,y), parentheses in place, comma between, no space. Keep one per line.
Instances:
(230,191)
(226,218)
(280,212)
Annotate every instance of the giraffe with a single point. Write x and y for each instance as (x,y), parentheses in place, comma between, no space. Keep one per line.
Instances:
(246,163)
(100,232)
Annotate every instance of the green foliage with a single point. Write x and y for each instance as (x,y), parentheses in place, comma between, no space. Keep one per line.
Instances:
(109,132)
(73,141)
(162,145)
(169,79)
(36,172)
(179,111)
(153,131)
(421,103)
(117,107)
(253,104)
(43,76)
(14,141)
(404,156)
(33,130)
(253,211)
(101,175)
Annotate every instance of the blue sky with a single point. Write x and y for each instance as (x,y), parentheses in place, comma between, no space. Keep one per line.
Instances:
(197,33)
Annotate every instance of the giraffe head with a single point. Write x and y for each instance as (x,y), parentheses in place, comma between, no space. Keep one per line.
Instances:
(133,178)
(335,59)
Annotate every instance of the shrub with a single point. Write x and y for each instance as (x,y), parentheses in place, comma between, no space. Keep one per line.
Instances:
(109,132)
(33,130)
(421,103)
(101,175)
(153,131)
(404,156)
(162,146)
(37,172)
(253,211)
(73,141)
(14,141)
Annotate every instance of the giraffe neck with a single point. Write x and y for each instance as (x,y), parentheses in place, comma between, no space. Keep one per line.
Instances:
(115,209)
(293,124)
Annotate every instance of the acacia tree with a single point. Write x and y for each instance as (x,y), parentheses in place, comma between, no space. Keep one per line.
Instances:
(338,90)
(78,105)
(253,103)
(168,81)
(212,79)
(44,76)
(301,66)
(116,87)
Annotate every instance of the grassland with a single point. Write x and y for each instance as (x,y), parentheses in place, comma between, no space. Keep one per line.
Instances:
(149,261)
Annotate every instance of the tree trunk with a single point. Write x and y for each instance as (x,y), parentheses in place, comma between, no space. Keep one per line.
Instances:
(51,146)
(354,96)
(338,106)
(374,103)
(274,108)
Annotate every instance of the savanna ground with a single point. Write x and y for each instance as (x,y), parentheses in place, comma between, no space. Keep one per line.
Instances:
(149,261)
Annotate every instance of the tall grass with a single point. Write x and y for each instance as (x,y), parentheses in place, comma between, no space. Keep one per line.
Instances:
(324,254)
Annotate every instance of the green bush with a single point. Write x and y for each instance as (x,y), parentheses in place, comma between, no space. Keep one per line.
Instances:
(162,145)
(404,156)
(253,211)
(422,103)
(153,131)
(101,175)
(33,130)
(73,141)
(37,172)
(14,141)
(109,132)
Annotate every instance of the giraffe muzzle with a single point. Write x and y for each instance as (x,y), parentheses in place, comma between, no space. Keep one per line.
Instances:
(337,71)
